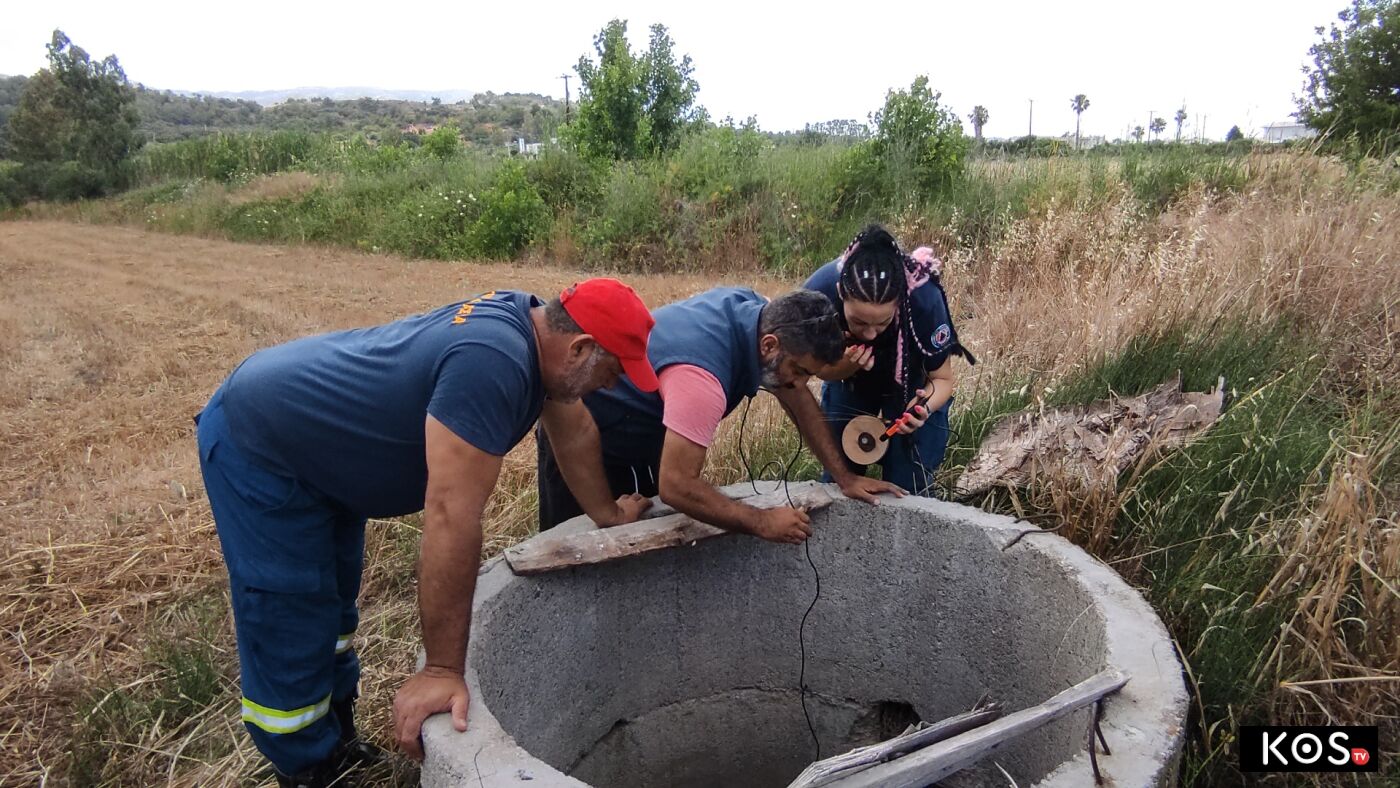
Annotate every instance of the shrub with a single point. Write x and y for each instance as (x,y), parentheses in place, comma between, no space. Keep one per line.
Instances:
(512,215)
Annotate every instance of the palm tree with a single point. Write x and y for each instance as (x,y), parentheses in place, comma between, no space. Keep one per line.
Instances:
(1180,119)
(1137,133)
(1079,104)
(979,119)
(1159,125)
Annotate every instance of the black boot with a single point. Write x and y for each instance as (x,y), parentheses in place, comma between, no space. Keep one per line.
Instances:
(322,775)
(352,752)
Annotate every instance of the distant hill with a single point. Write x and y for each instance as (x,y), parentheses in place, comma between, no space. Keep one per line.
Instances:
(269,97)
(486,118)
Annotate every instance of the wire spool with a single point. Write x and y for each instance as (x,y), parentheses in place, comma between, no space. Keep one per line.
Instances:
(863,440)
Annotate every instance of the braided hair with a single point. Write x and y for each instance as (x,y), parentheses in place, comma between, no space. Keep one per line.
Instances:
(875,270)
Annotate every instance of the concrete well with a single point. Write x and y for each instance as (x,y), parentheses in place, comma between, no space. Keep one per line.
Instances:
(681,667)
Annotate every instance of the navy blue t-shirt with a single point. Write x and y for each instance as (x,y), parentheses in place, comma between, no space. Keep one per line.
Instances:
(928,309)
(345,412)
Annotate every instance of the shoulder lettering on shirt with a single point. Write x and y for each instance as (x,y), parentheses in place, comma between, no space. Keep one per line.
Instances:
(467,308)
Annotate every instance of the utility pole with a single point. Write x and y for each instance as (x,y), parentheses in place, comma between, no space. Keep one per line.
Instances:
(1149,125)
(1030,120)
(565,77)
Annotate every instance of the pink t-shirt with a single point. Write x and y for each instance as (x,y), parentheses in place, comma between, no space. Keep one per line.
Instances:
(693,402)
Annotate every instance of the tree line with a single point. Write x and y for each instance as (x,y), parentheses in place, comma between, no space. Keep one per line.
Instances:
(68,130)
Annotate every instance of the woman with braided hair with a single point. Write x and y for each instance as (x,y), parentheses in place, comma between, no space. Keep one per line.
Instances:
(900,344)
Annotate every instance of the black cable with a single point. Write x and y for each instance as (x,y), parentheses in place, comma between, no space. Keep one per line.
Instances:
(807,545)
(802,644)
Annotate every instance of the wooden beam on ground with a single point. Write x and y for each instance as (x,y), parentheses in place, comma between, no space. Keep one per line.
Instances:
(834,768)
(549,552)
(933,763)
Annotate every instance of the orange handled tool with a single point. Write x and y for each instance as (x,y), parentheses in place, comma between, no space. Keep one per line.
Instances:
(904,419)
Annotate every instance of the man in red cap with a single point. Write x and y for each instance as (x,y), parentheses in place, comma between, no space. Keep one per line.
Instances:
(305,441)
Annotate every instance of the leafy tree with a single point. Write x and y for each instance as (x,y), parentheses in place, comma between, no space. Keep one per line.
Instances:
(841,128)
(35,120)
(443,141)
(1138,132)
(611,108)
(76,111)
(631,106)
(1234,134)
(1079,103)
(1180,118)
(670,92)
(979,119)
(918,142)
(11,88)
(1353,85)
(1159,125)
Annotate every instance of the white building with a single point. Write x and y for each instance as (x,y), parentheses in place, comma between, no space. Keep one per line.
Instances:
(1086,141)
(1283,132)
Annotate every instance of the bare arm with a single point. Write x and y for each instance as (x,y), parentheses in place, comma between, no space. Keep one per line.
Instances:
(683,460)
(573,436)
(460,480)
(943,381)
(856,358)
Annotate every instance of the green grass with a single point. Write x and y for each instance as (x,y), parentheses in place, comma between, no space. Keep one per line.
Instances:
(1158,180)
(1191,530)
(185,654)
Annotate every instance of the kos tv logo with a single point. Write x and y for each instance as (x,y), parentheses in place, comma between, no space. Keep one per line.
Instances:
(1309,748)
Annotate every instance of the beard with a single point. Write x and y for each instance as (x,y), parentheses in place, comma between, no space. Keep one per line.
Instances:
(579,381)
(770,378)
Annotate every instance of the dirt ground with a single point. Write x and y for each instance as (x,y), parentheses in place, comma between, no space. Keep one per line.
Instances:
(111,339)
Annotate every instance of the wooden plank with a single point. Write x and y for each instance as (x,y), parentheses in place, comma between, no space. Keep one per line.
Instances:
(549,552)
(939,760)
(832,769)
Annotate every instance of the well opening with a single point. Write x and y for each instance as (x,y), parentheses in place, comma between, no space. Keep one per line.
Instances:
(682,667)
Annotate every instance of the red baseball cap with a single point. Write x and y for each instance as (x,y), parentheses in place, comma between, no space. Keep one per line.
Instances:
(615,315)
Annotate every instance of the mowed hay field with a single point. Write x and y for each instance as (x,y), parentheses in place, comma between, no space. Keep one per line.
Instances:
(111,340)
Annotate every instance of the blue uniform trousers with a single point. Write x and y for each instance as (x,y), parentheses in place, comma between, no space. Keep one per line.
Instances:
(911,460)
(294,560)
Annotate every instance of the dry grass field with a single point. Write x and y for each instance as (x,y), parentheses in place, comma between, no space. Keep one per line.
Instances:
(110,341)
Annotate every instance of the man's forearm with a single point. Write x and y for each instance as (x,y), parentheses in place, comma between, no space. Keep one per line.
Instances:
(447,566)
(804,411)
(700,500)
(578,450)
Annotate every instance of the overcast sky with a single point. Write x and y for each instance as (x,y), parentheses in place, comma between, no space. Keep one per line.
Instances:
(1229,61)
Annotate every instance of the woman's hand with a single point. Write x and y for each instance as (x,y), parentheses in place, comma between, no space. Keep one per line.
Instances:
(916,415)
(857,358)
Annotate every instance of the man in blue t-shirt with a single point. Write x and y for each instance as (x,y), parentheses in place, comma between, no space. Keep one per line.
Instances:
(305,441)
